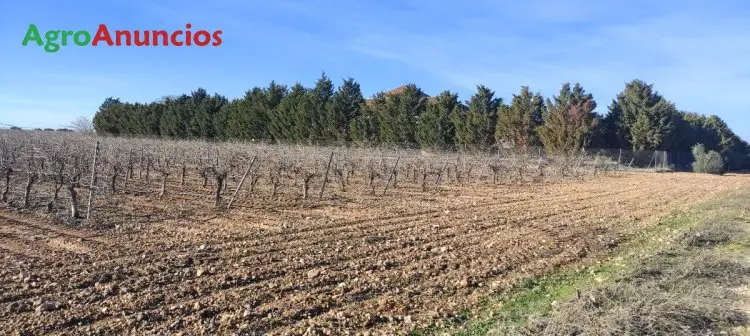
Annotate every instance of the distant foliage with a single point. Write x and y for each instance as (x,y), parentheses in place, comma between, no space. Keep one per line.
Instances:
(639,119)
(707,161)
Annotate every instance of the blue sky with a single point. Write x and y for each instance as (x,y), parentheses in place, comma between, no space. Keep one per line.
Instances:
(697,55)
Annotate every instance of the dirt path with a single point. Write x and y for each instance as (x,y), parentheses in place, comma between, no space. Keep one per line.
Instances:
(384,265)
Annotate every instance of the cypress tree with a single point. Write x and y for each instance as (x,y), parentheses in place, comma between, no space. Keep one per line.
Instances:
(315,115)
(203,109)
(105,120)
(641,118)
(569,121)
(398,118)
(463,133)
(346,106)
(237,126)
(281,121)
(517,123)
(638,118)
(176,118)
(302,110)
(434,127)
(246,118)
(363,129)
(481,118)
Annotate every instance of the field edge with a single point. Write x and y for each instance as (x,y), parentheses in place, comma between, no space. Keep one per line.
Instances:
(533,297)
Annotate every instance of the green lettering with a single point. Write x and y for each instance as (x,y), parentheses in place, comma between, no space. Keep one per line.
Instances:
(32,34)
(65,35)
(77,38)
(51,37)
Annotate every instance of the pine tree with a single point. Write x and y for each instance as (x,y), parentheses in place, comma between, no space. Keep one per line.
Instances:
(568,121)
(518,122)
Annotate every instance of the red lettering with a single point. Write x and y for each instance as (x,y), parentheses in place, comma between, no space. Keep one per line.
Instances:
(174,38)
(217,38)
(142,38)
(119,34)
(206,38)
(188,35)
(164,37)
(102,34)
(141,42)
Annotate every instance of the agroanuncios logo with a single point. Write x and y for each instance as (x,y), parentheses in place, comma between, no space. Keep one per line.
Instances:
(53,40)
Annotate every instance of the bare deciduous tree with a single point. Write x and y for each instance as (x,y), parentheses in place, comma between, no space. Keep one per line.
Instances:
(82,125)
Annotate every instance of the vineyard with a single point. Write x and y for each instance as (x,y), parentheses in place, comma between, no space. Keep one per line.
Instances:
(81,173)
(116,235)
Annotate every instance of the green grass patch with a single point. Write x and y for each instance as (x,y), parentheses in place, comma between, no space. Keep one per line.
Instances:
(654,256)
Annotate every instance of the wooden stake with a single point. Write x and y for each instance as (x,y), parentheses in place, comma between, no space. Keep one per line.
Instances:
(440,176)
(325,178)
(242,180)
(393,172)
(93,182)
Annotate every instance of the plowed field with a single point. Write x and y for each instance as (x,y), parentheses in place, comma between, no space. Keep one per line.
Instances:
(379,265)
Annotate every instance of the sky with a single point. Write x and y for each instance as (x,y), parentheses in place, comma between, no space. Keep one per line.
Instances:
(695,53)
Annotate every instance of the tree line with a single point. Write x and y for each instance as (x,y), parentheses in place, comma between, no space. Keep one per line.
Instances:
(639,118)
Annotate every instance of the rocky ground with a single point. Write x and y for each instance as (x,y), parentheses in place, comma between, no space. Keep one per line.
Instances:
(369,265)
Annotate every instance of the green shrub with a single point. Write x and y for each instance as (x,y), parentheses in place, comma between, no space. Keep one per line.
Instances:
(709,162)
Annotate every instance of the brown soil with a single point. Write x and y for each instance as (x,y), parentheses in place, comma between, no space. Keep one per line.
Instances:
(382,265)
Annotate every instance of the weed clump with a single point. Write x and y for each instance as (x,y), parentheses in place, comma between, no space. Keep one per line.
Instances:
(711,235)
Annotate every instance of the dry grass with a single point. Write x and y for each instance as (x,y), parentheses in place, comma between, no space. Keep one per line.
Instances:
(629,309)
(711,235)
(686,291)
